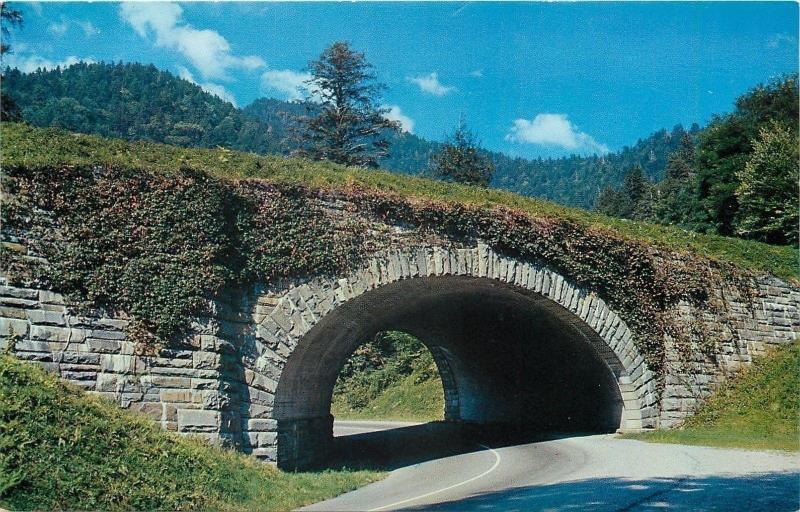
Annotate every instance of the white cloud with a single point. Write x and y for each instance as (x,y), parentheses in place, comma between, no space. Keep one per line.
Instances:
(219,91)
(58,29)
(554,130)
(430,84)
(88,28)
(478,73)
(778,40)
(62,27)
(36,7)
(395,114)
(30,63)
(291,84)
(207,50)
(186,74)
(211,88)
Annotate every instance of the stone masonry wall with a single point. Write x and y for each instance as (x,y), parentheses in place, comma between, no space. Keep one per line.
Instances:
(221,383)
(743,327)
(185,389)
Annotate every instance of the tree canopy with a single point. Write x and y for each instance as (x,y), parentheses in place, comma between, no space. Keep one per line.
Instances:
(693,177)
(461,160)
(738,176)
(768,187)
(726,145)
(9,110)
(346,126)
(138,102)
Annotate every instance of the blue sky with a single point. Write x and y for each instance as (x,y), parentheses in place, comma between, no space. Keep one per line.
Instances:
(531,79)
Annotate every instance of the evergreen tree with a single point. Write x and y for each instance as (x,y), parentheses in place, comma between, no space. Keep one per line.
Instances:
(675,195)
(634,192)
(9,110)
(609,202)
(136,102)
(8,17)
(635,200)
(768,188)
(461,160)
(725,147)
(680,163)
(645,206)
(348,126)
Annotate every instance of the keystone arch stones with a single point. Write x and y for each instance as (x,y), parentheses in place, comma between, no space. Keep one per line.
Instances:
(294,347)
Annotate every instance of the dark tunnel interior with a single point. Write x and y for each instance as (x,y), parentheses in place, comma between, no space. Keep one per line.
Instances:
(506,356)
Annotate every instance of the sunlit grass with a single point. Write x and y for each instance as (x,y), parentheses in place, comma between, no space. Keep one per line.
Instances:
(758,409)
(23,145)
(406,400)
(61,449)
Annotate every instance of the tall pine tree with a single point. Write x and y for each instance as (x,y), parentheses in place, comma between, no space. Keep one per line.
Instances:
(9,110)
(634,193)
(675,201)
(346,126)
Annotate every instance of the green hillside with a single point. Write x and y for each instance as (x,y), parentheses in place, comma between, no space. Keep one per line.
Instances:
(140,102)
(758,409)
(136,102)
(61,449)
(392,377)
(408,399)
(30,147)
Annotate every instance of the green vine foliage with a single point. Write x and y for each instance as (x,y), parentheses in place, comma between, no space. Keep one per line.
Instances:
(282,234)
(630,276)
(158,246)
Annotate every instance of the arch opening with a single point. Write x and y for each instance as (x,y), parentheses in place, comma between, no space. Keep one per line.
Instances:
(509,356)
(394,376)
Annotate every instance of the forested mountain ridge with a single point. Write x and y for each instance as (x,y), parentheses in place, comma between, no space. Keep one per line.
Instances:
(577,180)
(135,102)
(573,181)
(139,102)
(738,177)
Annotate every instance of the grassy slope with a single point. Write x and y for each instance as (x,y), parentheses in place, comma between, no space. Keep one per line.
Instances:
(406,399)
(26,146)
(392,377)
(758,409)
(62,449)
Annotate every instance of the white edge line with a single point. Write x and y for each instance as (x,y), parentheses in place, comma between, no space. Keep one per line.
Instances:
(497,460)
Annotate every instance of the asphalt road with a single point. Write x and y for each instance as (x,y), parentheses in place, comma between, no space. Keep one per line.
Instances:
(439,468)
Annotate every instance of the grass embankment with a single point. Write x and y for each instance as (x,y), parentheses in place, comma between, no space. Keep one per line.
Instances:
(35,147)
(61,449)
(392,377)
(407,400)
(758,409)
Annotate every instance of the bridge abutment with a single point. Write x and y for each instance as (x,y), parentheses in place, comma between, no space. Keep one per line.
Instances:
(304,443)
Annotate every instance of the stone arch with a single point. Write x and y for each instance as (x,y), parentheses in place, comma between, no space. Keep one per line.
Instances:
(295,338)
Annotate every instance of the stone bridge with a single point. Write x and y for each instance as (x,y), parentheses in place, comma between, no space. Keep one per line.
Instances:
(514,342)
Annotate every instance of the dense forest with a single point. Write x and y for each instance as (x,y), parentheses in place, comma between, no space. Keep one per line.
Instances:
(737,177)
(699,179)
(135,101)
(576,180)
